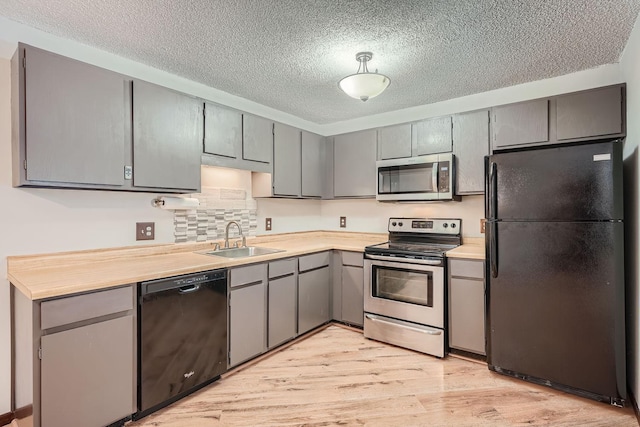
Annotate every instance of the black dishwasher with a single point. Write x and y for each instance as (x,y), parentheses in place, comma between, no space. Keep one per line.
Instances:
(182,337)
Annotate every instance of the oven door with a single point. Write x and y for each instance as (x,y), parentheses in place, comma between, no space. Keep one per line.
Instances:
(405,291)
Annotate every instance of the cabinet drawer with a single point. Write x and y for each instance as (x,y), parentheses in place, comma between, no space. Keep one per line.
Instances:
(245,275)
(83,307)
(467,268)
(352,258)
(282,268)
(309,262)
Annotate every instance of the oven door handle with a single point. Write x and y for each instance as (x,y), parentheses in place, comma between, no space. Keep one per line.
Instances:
(435,262)
(374,318)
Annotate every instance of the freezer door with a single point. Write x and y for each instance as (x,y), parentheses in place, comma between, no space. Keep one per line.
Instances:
(567,183)
(556,306)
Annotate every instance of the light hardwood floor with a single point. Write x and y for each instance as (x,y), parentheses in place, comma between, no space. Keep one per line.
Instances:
(338,377)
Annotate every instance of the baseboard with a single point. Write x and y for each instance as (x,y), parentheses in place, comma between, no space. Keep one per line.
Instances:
(24,412)
(6,418)
(634,405)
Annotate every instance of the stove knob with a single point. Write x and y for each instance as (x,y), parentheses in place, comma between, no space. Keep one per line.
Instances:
(400,224)
(453,225)
(445,225)
(394,223)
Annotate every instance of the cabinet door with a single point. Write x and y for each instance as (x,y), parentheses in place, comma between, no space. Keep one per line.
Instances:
(466,315)
(353,295)
(282,310)
(257,138)
(313,299)
(87,374)
(431,136)
(247,323)
(590,113)
(313,161)
(222,131)
(470,145)
(355,164)
(77,118)
(522,123)
(286,160)
(394,142)
(167,138)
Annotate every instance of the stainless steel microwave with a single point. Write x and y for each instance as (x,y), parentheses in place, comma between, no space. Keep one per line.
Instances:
(421,178)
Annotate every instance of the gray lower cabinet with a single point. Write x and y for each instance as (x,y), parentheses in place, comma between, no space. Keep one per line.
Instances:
(314,291)
(222,131)
(257,139)
(313,148)
(470,145)
(167,138)
(75,357)
(287,158)
(394,142)
(247,313)
(520,123)
(467,305)
(431,136)
(354,164)
(352,305)
(282,302)
(87,374)
(72,121)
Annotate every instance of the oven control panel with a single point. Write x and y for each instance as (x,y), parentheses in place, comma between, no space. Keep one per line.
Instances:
(425,225)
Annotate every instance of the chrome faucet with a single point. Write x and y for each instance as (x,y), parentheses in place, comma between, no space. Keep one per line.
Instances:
(226,234)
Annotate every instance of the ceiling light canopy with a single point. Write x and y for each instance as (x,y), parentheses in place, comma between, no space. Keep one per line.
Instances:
(364,84)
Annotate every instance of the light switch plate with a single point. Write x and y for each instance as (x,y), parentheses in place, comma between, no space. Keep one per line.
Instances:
(343,222)
(482,224)
(145,230)
(267,224)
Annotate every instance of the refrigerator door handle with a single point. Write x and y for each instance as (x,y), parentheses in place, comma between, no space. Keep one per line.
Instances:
(493,183)
(493,249)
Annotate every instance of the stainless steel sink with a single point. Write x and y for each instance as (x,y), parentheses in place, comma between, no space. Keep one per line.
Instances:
(244,252)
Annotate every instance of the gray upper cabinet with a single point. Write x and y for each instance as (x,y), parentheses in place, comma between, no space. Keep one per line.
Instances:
(470,145)
(355,164)
(521,123)
(167,138)
(72,119)
(286,161)
(590,113)
(431,136)
(313,162)
(257,138)
(394,142)
(222,131)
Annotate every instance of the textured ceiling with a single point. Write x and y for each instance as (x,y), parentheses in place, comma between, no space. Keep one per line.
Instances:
(290,54)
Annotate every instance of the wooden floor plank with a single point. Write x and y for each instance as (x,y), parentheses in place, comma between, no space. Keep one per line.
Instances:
(338,377)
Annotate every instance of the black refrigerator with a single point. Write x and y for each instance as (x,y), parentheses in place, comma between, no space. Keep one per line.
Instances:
(555,268)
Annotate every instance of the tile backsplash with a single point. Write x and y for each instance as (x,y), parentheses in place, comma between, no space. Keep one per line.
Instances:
(217,207)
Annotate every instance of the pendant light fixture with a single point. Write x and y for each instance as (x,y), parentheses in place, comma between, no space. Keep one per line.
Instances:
(364,84)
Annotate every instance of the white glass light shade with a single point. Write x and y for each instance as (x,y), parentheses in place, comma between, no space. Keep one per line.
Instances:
(364,85)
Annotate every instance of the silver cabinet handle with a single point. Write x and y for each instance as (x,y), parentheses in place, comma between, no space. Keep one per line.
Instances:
(424,331)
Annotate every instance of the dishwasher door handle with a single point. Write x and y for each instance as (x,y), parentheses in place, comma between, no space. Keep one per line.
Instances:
(188,289)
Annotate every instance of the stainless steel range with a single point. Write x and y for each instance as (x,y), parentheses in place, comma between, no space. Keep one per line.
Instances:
(404,299)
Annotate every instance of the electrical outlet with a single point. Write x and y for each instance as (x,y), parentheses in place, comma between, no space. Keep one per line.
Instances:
(343,222)
(145,230)
(267,224)
(482,224)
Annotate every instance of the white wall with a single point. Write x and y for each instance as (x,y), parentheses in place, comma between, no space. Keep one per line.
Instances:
(630,67)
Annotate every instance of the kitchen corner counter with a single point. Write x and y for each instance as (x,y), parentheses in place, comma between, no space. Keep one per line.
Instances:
(471,248)
(59,274)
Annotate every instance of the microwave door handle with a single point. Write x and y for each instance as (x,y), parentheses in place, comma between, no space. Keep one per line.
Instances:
(434,177)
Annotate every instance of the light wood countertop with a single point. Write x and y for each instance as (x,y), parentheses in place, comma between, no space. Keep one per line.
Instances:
(53,275)
(472,248)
